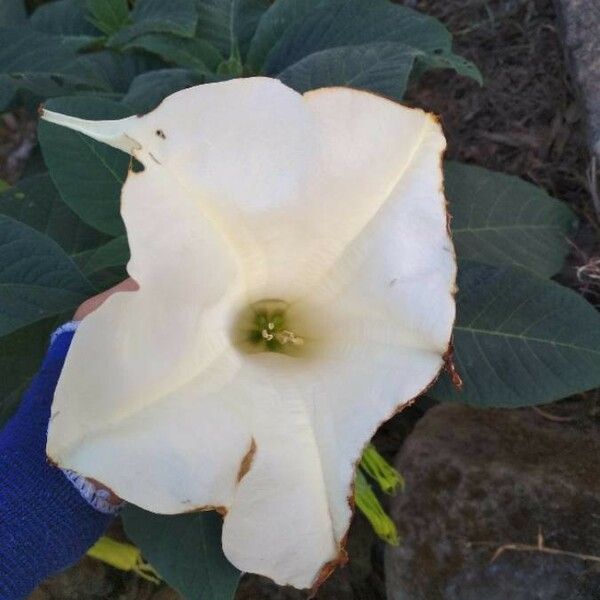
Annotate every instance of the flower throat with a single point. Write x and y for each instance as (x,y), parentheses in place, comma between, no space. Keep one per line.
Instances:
(263,327)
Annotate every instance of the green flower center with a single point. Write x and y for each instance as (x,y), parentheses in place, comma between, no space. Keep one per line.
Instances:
(264,328)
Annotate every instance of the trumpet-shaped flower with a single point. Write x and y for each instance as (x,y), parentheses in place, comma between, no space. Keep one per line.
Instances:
(296,283)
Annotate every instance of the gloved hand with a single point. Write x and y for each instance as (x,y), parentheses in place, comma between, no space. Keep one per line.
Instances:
(48,518)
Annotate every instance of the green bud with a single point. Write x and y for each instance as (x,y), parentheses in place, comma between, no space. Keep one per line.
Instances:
(379,469)
(369,505)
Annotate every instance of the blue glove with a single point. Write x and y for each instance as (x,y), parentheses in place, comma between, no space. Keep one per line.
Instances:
(46,524)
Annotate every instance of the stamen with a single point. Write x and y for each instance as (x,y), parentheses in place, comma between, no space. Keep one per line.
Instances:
(288,337)
(266,335)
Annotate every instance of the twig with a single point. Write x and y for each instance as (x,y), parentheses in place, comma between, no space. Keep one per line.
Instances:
(551,417)
(541,547)
(592,177)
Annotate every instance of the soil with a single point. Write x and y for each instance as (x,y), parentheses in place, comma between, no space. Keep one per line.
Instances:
(526,121)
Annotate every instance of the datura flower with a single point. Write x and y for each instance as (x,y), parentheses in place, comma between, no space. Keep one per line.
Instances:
(296,281)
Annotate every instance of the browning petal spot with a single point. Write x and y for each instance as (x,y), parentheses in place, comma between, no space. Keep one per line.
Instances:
(328,568)
(247,461)
(222,510)
(450,368)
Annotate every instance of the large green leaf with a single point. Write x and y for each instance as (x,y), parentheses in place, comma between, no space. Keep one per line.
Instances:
(115,71)
(520,340)
(379,67)
(148,90)
(229,24)
(191,53)
(108,15)
(45,65)
(355,22)
(185,550)
(12,12)
(36,202)
(89,175)
(37,278)
(26,51)
(21,353)
(502,220)
(67,20)
(280,16)
(177,17)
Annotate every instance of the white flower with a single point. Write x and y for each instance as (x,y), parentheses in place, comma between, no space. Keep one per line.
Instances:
(296,288)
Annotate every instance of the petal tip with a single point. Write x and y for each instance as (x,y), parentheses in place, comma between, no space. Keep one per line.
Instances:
(328,569)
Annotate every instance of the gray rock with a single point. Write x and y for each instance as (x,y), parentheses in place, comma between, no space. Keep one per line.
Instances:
(479,479)
(580,25)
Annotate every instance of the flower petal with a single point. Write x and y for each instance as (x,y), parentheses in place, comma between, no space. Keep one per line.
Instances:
(332,202)
(141,348)
(290,180)
(279,523)
(245,149)
(383,313)
(182,452)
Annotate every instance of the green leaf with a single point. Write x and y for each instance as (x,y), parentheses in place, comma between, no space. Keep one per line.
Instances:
(114,71)
(502,220)
(229,24)
(21,353)
(148,90)
(191,53)
(67,19)
(108,15)
(355,22)
(26,51)
(12,12)
(115,253)
(520,340)
(46,65)
(273,24)
(37,278)
(447,60)
(36,202)
(177,17)
(379,67)
(89,175)
(185,550)
(105,266)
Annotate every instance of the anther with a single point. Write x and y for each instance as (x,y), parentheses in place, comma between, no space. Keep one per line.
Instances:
(288,337)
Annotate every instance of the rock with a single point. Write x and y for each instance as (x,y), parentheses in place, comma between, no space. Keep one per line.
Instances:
(580,25)
(479,479)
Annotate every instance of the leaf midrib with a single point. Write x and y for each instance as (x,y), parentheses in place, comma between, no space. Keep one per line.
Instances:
(525,338)
(503,227)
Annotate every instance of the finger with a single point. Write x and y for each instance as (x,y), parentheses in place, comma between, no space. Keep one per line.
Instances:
(91,304)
